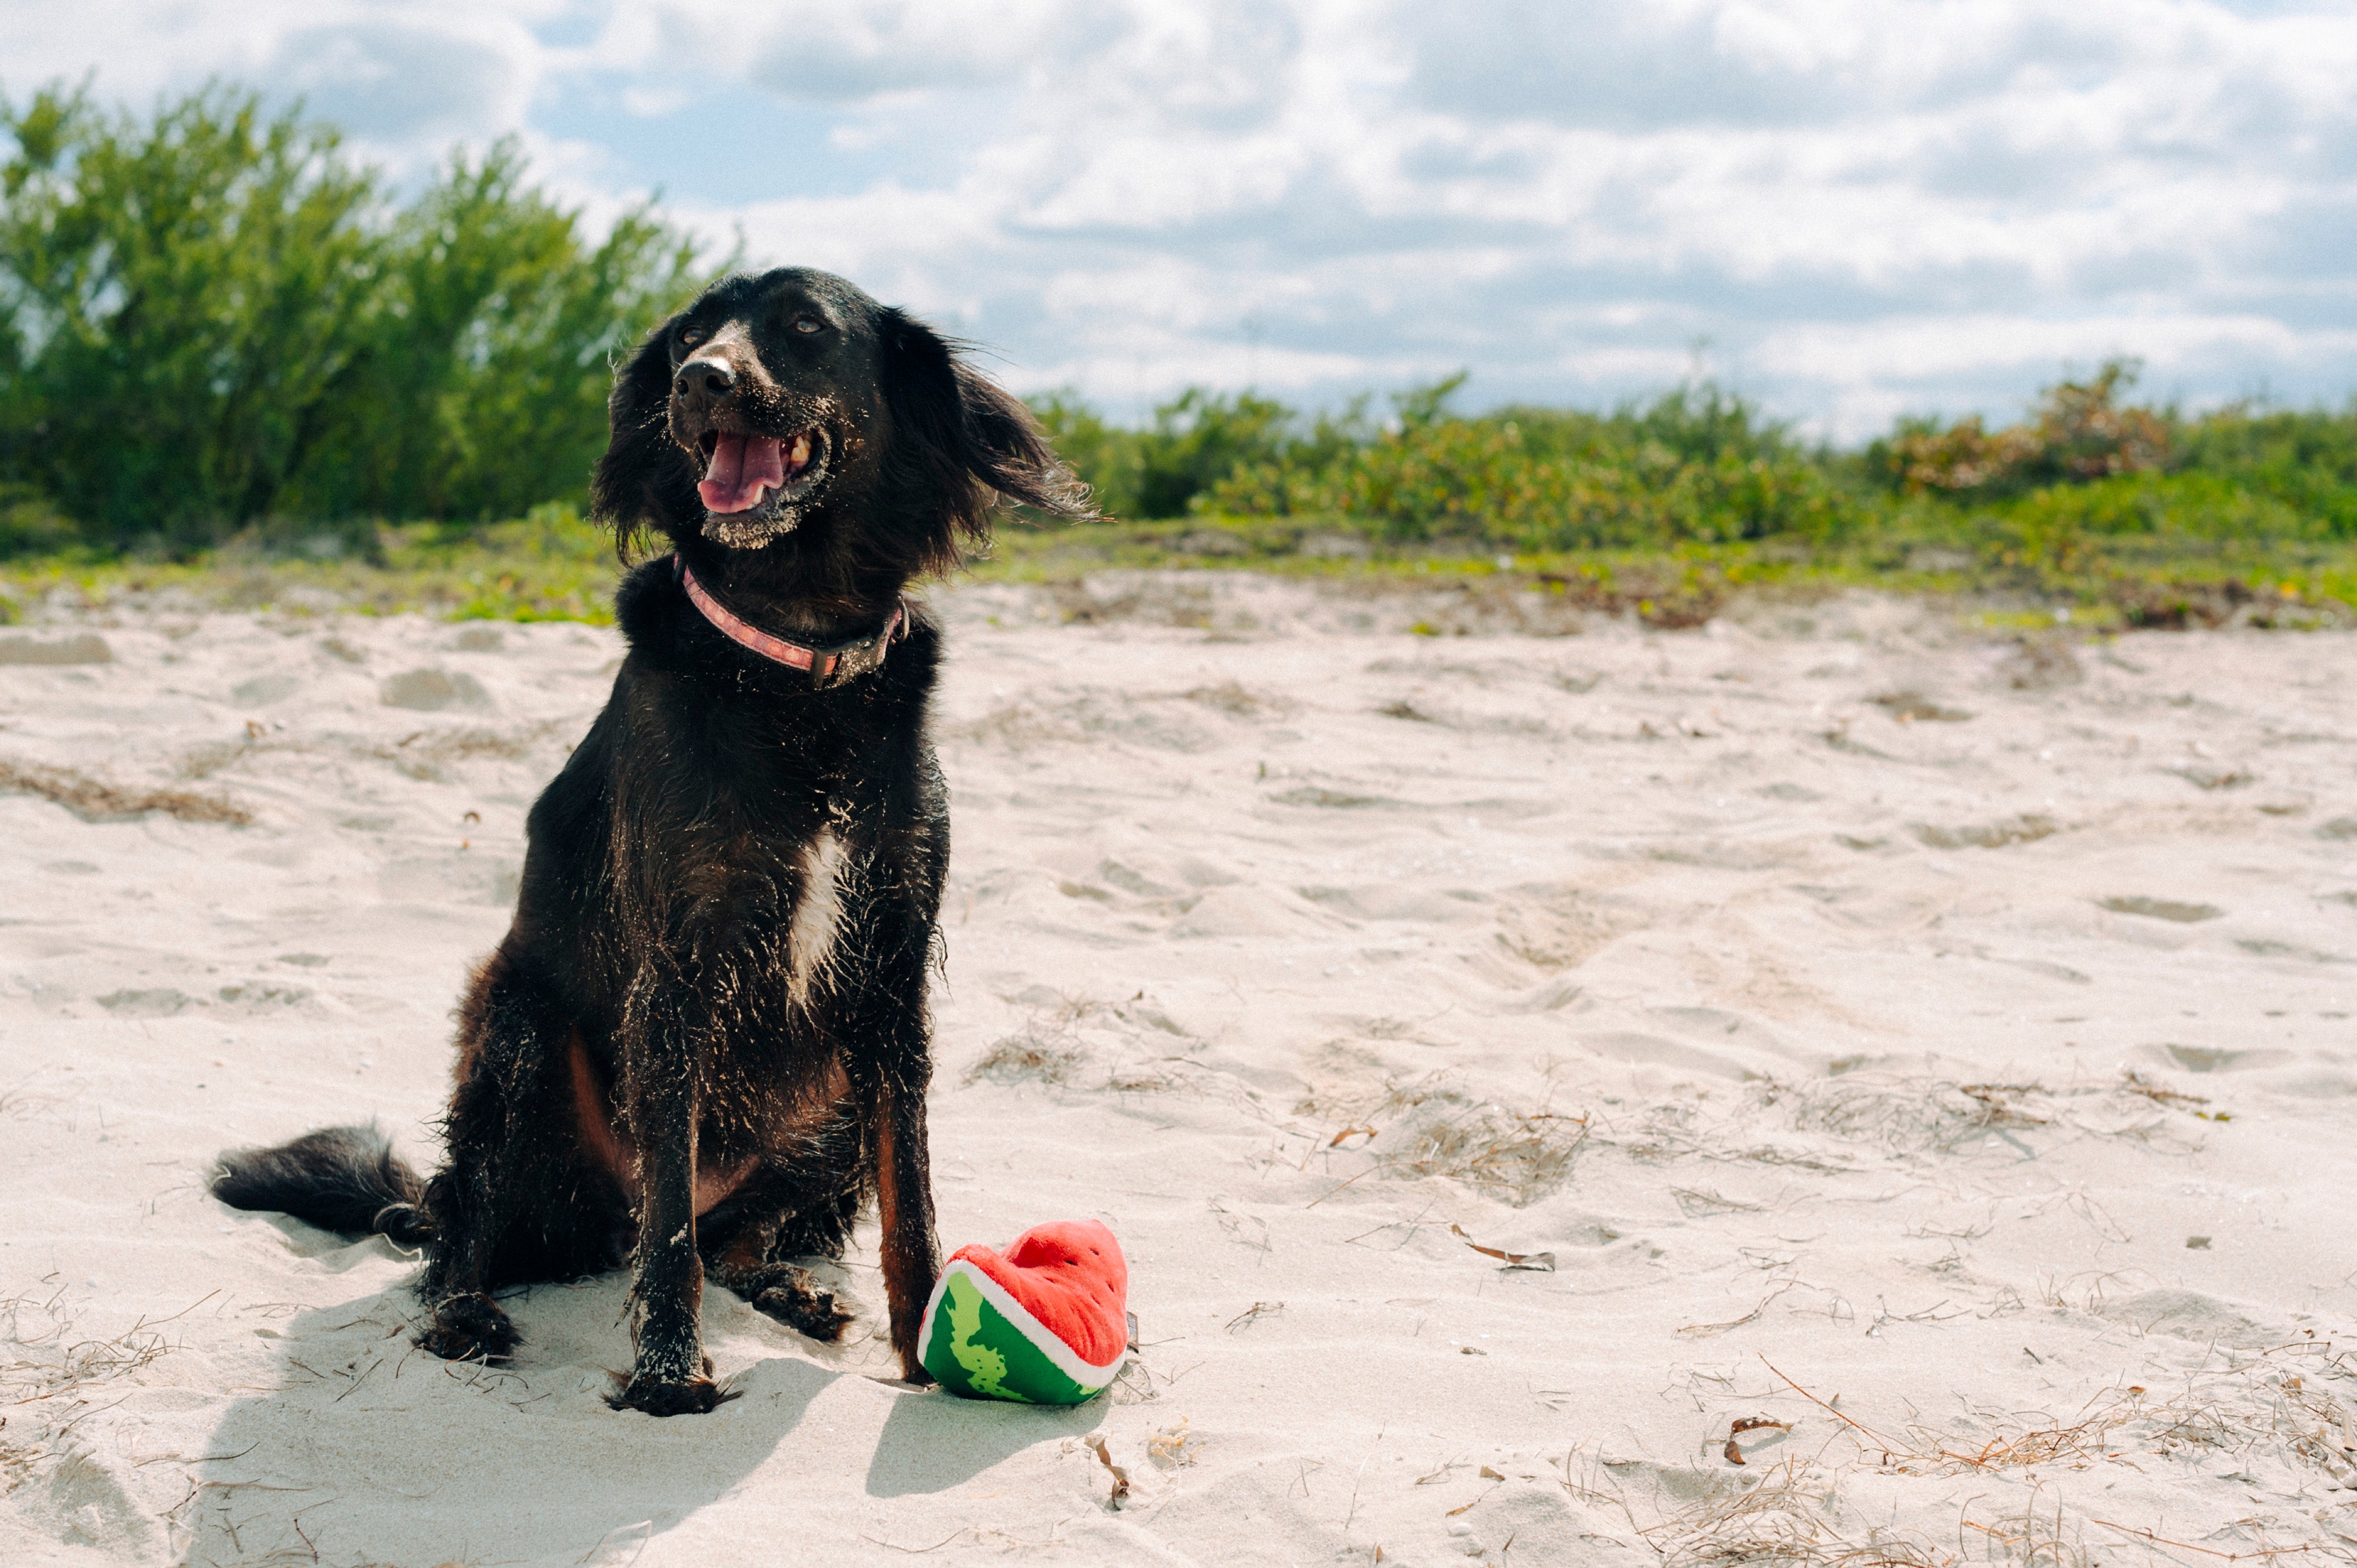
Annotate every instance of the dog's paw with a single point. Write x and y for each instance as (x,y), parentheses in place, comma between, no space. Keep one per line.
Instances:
(787,1293)
(469,1328)
(700,1396)
(805,1310)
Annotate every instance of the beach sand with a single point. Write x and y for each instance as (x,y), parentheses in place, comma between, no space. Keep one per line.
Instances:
(1928,1046)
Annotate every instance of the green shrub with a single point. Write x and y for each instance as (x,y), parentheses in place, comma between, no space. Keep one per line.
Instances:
(2308,460)
(184,300)
(1196,440)
(212,317)
(492,346)
(1695,465)
(2078,434)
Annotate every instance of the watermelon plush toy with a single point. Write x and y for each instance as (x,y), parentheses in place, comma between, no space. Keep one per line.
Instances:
(1044,1323)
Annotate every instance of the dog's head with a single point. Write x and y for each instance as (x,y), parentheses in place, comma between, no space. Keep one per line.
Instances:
(790,414)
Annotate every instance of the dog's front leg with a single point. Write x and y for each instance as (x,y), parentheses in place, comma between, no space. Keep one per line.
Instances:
(671,1375)
(893,1066)
(904,1202)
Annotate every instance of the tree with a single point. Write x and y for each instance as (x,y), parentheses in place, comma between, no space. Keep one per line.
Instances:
(481,389)
(213,317)
(183,304)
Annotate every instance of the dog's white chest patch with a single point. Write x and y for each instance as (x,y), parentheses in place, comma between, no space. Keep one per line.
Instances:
(818,913)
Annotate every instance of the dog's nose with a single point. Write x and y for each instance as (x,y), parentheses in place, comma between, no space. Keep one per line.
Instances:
(708,378)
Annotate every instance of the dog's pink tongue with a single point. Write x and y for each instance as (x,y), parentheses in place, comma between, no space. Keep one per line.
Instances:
(742,466)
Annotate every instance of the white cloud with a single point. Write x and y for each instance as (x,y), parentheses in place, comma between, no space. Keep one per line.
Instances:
(406,80)
(1862,206)
(835,53)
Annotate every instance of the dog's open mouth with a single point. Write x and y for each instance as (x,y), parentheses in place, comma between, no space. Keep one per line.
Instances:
(745,472)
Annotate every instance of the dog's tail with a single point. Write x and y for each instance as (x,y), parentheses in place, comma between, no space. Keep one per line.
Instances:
(342,1178)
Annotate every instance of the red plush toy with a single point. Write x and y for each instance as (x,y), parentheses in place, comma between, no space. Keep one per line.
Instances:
(1047,1323)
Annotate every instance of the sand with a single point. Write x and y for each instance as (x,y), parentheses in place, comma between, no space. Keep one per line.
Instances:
(1913,1066)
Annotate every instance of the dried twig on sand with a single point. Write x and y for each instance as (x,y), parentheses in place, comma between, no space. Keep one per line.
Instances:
(1095,1440)
(1254,1313)
(1534,1263)
(2152,1088)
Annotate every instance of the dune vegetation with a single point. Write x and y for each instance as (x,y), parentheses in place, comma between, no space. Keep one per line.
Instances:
(238,364)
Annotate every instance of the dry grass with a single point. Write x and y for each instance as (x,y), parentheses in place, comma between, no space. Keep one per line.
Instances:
(1678,1130)
(1152,598)
(1914,707)
(2160,1094)
(1134,1038)
(1908,1116)
(94,800)
(1829,1126)
(2041,663)
(48,1378)
(1046,719)
(1237,700)
(2075,1442)
(1429,1131)
(458,745)
(2264,1412)
(420,755)
(1162,1074)
(1017,726)
(1039,1052)
(1790,1515)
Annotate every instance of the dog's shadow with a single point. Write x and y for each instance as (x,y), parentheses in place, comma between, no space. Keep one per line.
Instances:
(933,1442)
(357,1445)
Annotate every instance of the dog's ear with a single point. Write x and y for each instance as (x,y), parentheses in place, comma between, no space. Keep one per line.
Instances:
(627,491)
(971,440)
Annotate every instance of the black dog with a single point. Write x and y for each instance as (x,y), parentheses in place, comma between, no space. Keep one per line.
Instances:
(704,1041)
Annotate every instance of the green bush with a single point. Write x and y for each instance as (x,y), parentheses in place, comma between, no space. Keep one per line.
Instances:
(492,343)
(1196,440)
(183,301)
(2078,434)
(2306,460)
(212,317)
(1697,465)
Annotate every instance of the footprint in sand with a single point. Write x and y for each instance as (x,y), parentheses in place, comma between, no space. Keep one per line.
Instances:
(264,690)
(2024,828)
(82,647)
(2216,1058)
(431,691)
(2162,909)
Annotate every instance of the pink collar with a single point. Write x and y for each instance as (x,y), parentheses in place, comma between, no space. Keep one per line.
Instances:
(829,664)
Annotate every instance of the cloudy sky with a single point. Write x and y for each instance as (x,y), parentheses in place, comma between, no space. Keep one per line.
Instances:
(1848,208)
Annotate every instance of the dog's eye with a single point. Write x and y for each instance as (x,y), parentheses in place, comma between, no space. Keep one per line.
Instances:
(689,337)
(808,323)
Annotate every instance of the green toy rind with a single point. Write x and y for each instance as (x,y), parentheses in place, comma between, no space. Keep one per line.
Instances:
(979,1342)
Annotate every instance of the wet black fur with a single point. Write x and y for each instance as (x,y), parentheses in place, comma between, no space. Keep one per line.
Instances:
(342,1178)
(650,957)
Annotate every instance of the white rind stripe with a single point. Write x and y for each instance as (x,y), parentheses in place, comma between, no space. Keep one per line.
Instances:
(1066,1359)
